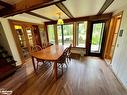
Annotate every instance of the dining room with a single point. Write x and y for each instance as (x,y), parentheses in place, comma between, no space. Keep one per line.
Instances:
(61,47)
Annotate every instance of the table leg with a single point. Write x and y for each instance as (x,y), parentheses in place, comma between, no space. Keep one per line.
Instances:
(33,64)
(55,69)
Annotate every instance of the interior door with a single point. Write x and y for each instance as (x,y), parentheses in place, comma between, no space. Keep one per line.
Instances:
(96,38)
(30,37)
(22,42)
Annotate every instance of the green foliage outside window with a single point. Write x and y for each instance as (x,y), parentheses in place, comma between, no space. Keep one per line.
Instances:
(96,34)
(51,34)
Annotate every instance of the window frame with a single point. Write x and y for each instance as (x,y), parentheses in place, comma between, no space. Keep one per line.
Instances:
(63,33)
(76,36)
(75,30)
(53,33)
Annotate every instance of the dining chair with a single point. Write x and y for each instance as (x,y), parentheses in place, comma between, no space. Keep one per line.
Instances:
(35,49)
(62,60)
(49,44)
(44,45)
(69,53)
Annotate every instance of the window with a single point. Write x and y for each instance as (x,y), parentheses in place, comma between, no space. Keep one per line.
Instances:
(65,38)
(81,34)
(51,34)
(68,34)
(59,33)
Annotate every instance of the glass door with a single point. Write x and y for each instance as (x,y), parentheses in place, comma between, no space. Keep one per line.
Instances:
(30,37)
(23,44)
(96,38)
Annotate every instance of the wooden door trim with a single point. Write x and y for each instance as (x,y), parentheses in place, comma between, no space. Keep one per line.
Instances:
(111,31)
(15,36)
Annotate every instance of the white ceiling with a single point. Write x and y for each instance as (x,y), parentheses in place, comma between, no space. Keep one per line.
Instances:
(116,5)
(27,18)
(51,12)
(78,8)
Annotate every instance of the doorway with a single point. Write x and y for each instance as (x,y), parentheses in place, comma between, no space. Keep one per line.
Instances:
(22,41)
(26,36)
(96,38)
(112,37)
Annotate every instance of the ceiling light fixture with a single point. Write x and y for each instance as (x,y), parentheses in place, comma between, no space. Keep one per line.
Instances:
(60,21)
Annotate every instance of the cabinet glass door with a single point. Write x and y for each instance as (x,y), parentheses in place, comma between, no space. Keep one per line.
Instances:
(22,42)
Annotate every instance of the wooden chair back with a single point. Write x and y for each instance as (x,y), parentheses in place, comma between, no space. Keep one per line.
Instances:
(49,44)
(44,45)
(63,57)
(36,48)
(69,49)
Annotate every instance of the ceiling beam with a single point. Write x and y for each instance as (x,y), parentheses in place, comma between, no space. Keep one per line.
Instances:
(26,6)
(40,16)
(105,6)
(62,7)
(6,5)
(86,18)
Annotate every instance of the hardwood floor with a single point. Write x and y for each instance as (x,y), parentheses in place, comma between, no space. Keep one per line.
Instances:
(87,76)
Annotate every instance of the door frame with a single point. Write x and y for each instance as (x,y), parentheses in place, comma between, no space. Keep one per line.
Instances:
(112,29)
(103,38)
(24,25)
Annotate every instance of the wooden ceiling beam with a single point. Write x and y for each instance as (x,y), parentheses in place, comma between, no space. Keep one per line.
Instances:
(63,8)
(105,6)
(6,5)
(86,18)
(26,6)
(40,16)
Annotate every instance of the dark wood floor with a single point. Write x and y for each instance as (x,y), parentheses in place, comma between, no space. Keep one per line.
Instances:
(87,76)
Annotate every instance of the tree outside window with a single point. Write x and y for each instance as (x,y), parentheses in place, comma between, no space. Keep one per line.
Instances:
(51,34)
(81,34)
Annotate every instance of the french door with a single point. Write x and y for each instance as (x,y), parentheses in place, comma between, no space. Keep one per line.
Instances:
(26,36)
(96,38)
(22,42)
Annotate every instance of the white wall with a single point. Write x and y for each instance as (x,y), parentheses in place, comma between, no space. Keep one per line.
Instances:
(10,39)
(9,42)
(119,62)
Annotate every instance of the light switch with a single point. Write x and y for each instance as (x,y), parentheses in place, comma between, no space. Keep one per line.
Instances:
(117,45)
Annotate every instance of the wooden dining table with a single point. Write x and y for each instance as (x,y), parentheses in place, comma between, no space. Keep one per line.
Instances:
(52,54)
